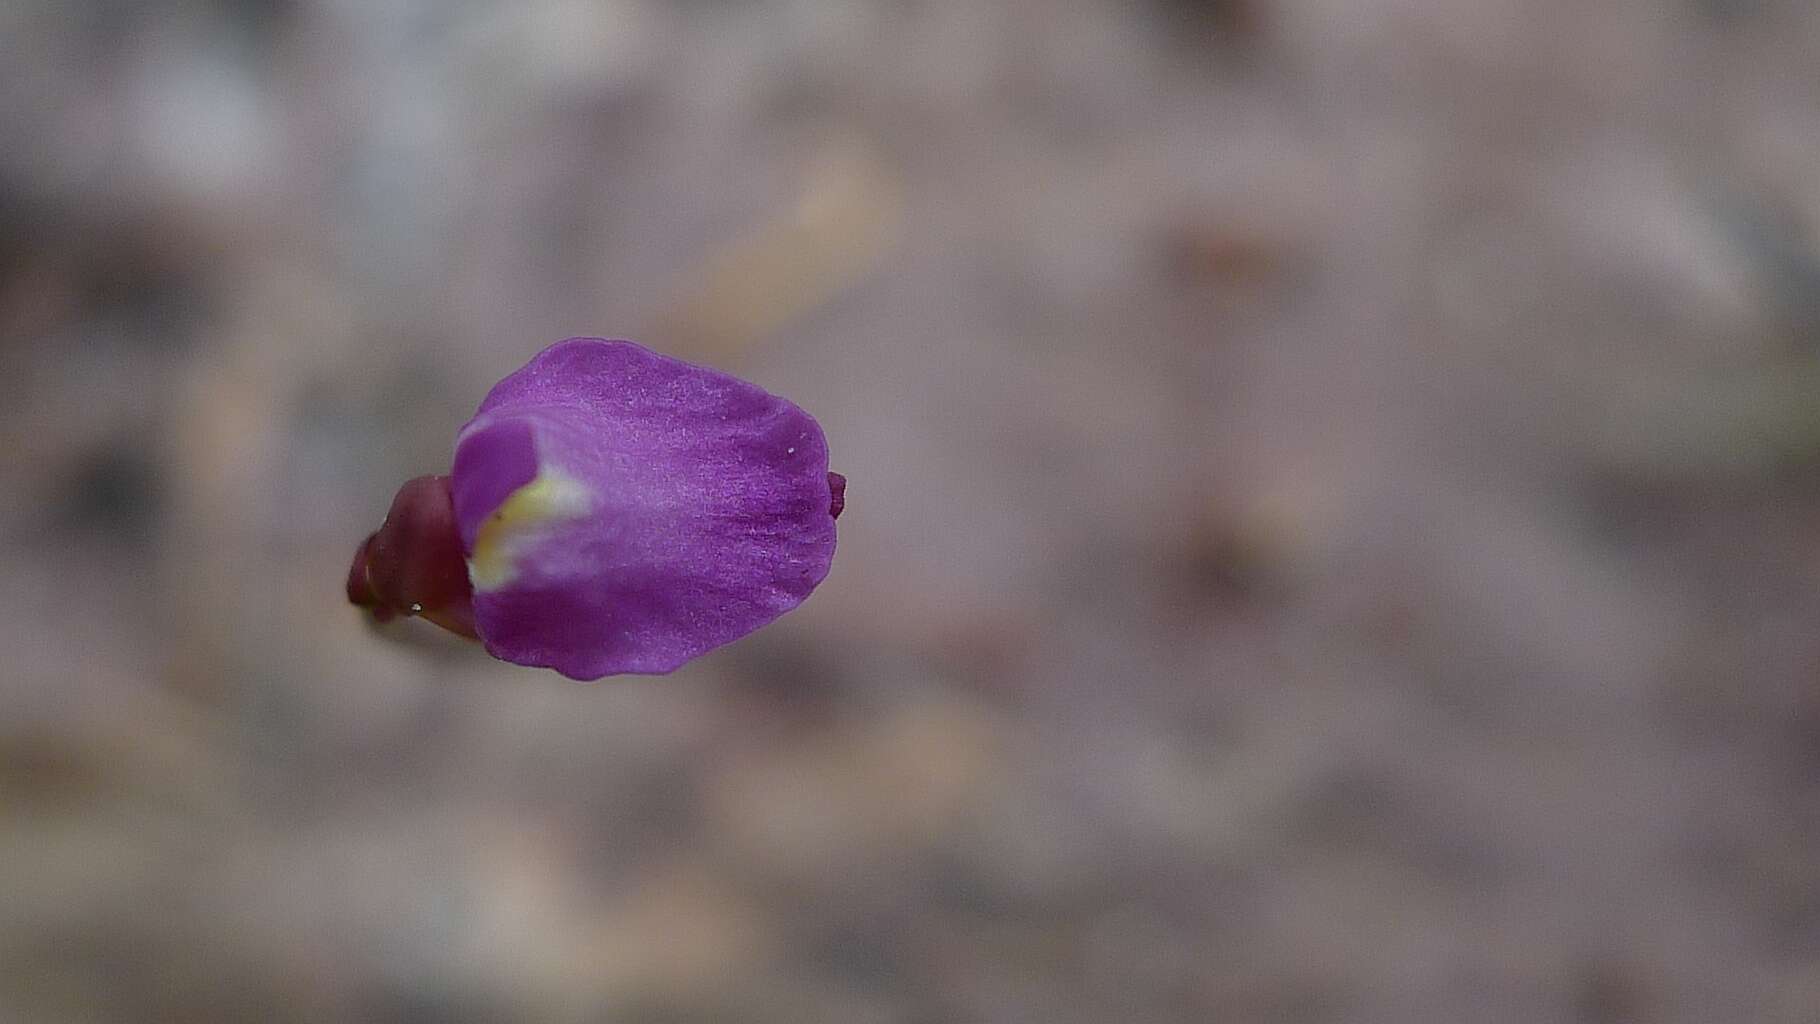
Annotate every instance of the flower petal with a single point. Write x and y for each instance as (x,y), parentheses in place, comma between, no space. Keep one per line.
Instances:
(623,511)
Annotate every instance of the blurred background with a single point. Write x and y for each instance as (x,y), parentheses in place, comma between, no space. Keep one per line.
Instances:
(1333,529)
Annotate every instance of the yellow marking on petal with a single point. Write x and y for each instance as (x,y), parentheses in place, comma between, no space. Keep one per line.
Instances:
(550,497)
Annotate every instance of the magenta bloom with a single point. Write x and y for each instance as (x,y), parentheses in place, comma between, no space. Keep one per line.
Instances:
(611,510)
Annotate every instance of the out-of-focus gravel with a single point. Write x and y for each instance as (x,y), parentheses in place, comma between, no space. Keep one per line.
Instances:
(1333,530)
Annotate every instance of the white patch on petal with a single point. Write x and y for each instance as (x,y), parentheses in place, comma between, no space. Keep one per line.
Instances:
(549,497)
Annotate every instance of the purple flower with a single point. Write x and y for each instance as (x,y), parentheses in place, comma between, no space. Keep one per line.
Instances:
(611,510)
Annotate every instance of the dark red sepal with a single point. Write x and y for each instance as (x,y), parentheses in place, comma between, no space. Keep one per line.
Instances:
(414,564)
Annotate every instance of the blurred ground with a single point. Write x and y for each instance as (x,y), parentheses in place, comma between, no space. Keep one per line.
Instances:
(1333,529)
